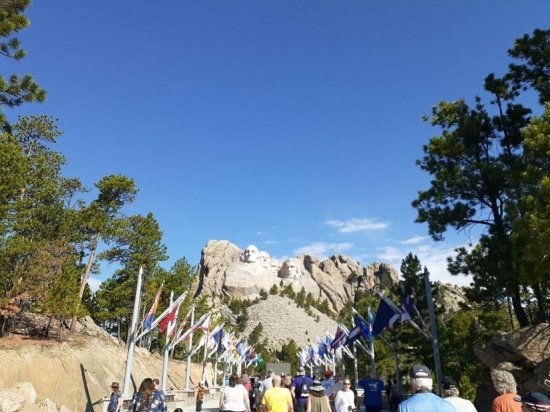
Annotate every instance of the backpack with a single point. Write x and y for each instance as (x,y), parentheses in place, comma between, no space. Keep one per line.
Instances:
(304,388)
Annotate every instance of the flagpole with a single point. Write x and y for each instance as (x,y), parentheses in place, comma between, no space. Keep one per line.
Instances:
(433,327)
(189,347)
(372,356)
(395,348)
(355,372)
(204,357)
(166,350)
(132,340)
(214,383)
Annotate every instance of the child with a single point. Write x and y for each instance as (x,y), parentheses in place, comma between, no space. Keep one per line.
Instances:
(200,396)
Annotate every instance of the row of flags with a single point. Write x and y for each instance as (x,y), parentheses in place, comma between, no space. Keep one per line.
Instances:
(215,341)
(329,347)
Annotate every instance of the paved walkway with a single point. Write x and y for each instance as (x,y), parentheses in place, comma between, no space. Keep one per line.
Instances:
(212,405)
(209,405)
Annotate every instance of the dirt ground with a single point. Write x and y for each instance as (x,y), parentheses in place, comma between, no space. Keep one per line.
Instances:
(77,372)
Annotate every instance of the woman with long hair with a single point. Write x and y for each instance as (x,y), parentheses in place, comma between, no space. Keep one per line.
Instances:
(234,397)
(147,399)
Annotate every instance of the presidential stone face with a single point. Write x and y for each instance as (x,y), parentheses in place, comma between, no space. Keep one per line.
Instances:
(292,269)
(251,254)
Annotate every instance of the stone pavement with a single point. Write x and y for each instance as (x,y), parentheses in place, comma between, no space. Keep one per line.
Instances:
(209,405)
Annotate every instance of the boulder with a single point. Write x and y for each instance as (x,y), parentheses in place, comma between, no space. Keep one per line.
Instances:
(525,353)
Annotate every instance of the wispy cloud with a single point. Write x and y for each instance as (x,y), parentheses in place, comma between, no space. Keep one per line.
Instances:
(415,240)
(323,250)
(431,255)
(357,225)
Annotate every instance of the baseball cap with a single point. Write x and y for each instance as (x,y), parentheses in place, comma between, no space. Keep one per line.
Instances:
(301,370)
(448,383)
(328,373)
(537,400)
(420,371)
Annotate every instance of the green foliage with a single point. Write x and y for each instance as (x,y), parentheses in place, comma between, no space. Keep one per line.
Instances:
(352,278)
(263,294)
(256,334)
(274,290)
(481,177)
(16,90)
(300,298)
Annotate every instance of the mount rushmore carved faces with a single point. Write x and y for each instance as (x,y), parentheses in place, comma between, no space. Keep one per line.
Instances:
(251,254)
(292,269)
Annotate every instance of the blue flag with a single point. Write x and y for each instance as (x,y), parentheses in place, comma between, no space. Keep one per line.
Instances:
(365,329)
(218,336)
(386,315)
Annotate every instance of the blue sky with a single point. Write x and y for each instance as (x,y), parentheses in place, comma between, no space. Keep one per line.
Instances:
(290,125)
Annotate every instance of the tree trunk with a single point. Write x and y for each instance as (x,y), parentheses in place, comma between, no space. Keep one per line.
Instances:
(60,326)
(48,327)
(540,302)
(511,313)
(85,278)
(518,309)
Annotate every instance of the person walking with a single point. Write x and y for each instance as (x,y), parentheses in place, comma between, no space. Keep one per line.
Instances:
(423,399)
(300,389)
(147,399)
(199,397)
(317,401)
(372,390)
(115,401)
(450,392)
(394,396)
(328,383)
(234,397)
(345,399)
(278,398)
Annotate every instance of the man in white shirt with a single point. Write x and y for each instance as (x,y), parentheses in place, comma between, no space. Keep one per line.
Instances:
(450,394)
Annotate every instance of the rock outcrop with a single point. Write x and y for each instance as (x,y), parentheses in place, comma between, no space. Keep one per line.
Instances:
(225,270)
(525,353)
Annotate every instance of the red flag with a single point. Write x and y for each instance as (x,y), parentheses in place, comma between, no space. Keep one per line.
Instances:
(163,324)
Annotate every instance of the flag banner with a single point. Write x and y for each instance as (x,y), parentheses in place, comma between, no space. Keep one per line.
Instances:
(171,317)
(386,316)
(365,329)
(353,335)
(181,327)
(407,304)
(339,338)
(204,318)
(149,319)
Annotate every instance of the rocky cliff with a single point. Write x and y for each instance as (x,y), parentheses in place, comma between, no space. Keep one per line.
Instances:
(225,270)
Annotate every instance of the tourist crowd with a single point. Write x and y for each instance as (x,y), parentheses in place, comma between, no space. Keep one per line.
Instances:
(335,393)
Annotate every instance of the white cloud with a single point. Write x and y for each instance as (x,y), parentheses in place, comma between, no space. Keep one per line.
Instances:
(94,283)
(431,255)
(414,240)
(357,225)
(323,250)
